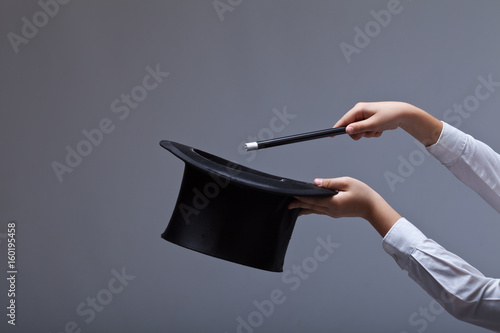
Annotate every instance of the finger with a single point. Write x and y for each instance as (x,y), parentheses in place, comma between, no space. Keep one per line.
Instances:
(357,136)
(364,126)
(297,204)
(354,114)
(318,203)
(309,212)
(309,207)
(340,183)
(304,203)
(359,112)
(371,134)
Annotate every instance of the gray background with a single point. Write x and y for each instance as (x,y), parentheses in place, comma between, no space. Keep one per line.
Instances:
(226,77)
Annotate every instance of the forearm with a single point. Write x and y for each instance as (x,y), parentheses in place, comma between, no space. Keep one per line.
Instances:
(381,215)
(421,125)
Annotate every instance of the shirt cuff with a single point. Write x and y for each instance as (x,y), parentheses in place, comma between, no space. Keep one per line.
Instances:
(401,241)
(450,145)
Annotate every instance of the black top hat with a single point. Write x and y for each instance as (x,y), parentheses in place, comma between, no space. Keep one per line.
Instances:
(233,212)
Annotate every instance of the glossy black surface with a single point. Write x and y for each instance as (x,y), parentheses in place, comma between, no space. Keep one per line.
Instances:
(233,212)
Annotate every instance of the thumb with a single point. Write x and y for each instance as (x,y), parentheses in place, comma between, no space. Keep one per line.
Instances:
(360,127)
(332,183)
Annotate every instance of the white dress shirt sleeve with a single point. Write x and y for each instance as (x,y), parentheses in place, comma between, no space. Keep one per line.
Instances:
(460,288)
(471,161)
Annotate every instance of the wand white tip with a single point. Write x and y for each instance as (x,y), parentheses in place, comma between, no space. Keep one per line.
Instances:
(251,146)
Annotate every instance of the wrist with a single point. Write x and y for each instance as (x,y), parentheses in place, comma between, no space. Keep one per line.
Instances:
(421,125)
(381,215)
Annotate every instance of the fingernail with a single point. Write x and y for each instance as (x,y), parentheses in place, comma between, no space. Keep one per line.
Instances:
(318,181)
(349,130)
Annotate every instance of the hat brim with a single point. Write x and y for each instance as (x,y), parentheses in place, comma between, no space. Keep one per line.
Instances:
(232,212)
(243,175)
